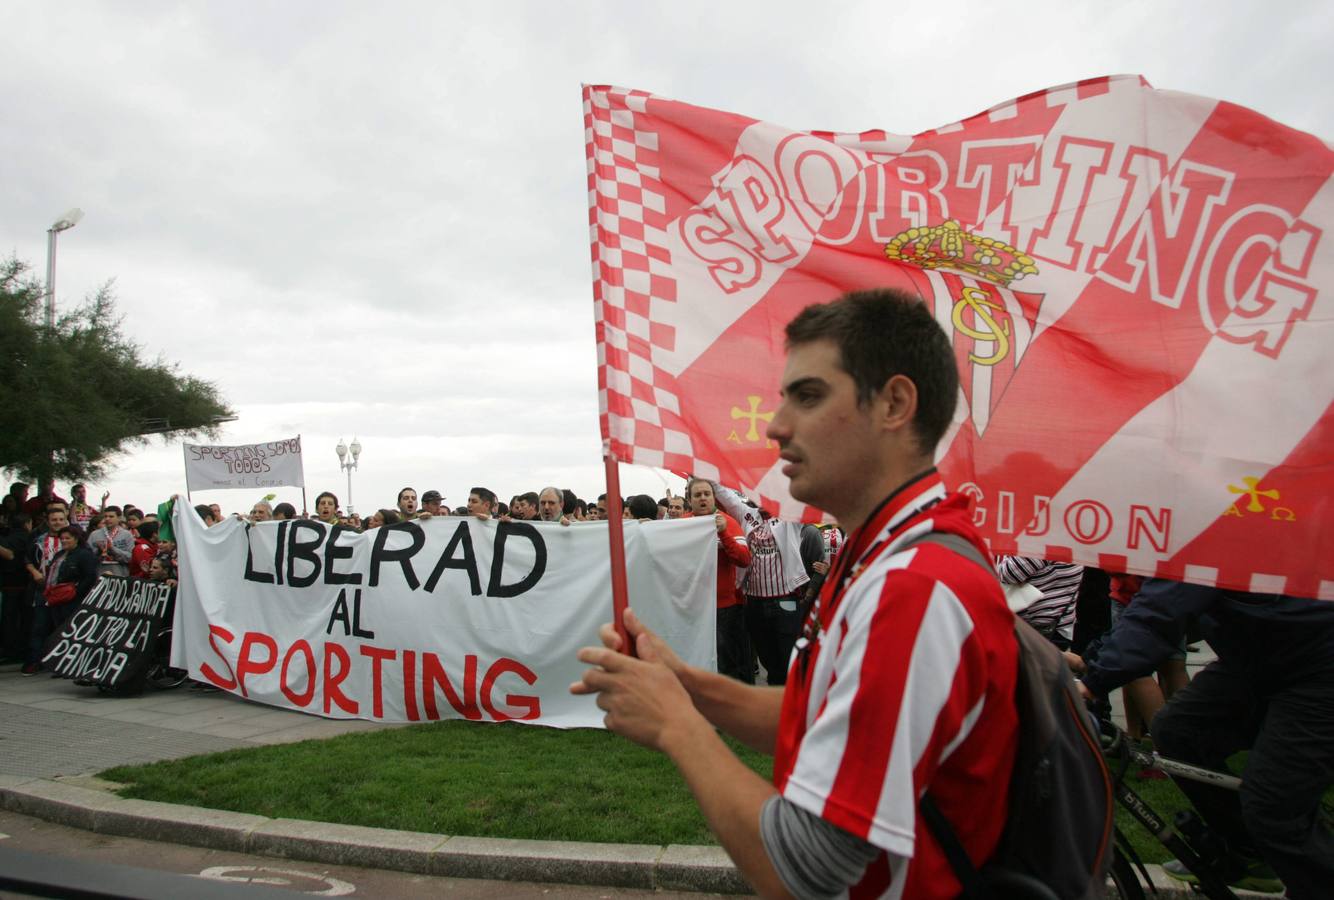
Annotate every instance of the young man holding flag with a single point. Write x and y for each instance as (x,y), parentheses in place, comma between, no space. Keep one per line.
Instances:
(903,679)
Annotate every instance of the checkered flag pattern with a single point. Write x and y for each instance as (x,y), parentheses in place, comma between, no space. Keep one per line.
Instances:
(639,406)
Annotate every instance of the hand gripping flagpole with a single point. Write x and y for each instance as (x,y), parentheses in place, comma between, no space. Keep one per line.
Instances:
(620,592)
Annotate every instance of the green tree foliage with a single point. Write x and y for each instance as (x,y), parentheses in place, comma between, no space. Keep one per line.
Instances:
(72,396)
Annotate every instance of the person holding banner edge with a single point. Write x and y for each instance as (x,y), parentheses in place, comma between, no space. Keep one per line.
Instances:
(869,387)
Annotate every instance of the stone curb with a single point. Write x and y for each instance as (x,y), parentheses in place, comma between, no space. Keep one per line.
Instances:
(674,867)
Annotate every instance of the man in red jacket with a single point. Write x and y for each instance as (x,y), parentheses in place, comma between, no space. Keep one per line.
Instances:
(733,554)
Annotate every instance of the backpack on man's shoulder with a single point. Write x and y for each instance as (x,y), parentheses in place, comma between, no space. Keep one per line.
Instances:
(1058,831)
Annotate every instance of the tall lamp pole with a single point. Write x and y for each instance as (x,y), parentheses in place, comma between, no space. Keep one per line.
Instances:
(348,463)
(64,223)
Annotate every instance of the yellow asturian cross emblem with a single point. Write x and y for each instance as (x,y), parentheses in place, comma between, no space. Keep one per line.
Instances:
(1253,492)
(754,415)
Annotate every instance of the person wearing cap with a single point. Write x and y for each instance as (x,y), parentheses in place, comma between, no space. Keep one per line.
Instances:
(431,501)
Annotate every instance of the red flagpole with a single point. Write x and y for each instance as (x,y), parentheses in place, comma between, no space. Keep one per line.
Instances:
(620,592)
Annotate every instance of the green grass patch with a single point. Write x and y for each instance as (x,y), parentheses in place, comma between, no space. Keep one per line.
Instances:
(466,778)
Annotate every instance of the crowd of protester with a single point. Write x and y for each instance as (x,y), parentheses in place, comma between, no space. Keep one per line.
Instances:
(769,570)
(53,551)
(47,541)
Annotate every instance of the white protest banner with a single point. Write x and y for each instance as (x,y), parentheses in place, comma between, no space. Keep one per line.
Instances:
(264,465)
(428,619)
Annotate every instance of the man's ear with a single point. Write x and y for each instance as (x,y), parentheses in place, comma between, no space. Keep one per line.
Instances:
(898,400)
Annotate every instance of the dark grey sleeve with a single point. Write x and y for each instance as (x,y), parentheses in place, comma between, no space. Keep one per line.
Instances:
(812,546)
(812,857)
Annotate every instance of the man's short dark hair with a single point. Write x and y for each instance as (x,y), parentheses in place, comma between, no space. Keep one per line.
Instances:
(202,510)
(286,510)
(486,495)
(147,530)
(882,333)
(60,504)
(642,506)
(105,509)
(530,498)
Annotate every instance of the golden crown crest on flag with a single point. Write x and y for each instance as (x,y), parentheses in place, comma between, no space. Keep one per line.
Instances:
(948,246)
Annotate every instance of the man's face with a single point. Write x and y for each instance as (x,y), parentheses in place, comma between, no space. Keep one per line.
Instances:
(826,440)
(133,520)
(56,519)
(701,499)
(600,511)
(432,506)
(325,507)
(110,519)
(260,513)
(676,507)
(477,506)
(549,505)
(407,502)
(78,492)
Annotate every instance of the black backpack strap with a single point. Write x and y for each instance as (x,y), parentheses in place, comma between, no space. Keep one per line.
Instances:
(974,885)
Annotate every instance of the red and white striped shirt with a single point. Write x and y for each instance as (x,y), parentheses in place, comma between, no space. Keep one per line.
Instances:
(765,578)
(904,681)
(833,541)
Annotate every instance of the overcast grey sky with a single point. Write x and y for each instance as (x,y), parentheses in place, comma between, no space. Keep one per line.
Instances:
(373,221)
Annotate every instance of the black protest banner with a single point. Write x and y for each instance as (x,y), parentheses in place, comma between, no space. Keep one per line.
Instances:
(109,640)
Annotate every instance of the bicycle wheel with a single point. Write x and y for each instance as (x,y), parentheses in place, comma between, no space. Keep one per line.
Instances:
(1125,880)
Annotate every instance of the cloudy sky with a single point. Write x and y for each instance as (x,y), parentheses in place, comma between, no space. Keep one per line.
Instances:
(373,221)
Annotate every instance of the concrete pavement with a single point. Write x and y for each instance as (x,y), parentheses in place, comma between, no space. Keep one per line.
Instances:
(54,727)
(56,735)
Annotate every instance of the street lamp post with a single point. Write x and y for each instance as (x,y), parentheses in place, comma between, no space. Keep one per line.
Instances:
(64,223)
(344,462)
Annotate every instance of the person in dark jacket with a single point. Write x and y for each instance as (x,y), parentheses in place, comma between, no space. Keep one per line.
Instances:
(75,562)
(1270,690)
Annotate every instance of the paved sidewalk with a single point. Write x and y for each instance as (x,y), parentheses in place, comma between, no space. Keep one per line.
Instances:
(52,727)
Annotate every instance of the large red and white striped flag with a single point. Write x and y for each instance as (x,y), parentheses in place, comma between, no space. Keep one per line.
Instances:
(1137,284)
